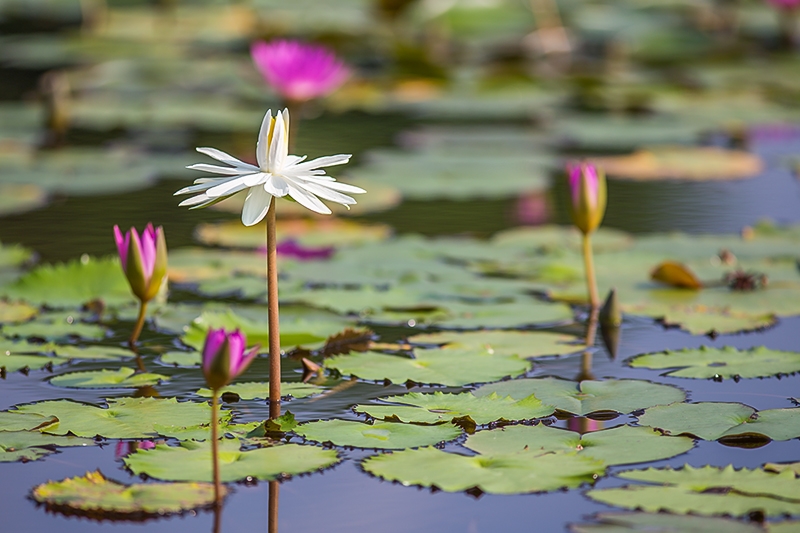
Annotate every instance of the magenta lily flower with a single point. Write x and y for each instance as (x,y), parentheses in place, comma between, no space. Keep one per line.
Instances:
(224,357)
(292,248)
(299,71)
(587,185)
(144,259)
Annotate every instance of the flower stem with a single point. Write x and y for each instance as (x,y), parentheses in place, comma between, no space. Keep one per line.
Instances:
(272,313)
(588,262)
(215,447)
(137,330)
(272,510)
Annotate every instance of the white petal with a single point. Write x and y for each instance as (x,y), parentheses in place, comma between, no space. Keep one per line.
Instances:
(308,200)
(263,136)
(276,186)
(278,149)
(285,114)
(328,194)
(326,161)
(194,200)
(337,186)
(251,180)
(214,169)
(219,155)
(200,187)
(255,206)
(293,160)
(226,189)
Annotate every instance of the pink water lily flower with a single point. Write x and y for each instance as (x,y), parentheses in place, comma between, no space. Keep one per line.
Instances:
(587,185)
(299,71)
(224,357)
(144,259)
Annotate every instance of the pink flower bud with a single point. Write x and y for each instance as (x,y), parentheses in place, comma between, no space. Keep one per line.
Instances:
(224,357)
(587,187)
(144,259)
(299,71)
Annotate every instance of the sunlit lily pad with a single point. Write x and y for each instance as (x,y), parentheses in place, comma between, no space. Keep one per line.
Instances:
(728,362)
(54,327)
(686,163)
(553,239)
(692,490)
(14,421)
(74,283)
(202,432)
(444,407)
(90,353)
(181,359)
(727,421)
(617,446)
(663,523)
(704,320)
(308,232)
(384,435)
(443,366)
(505,474)
(124,418)
(16,311)
(13,363)
(95,495)
(31,445)
(586,397)
(18,198)
(124,378)
(778,467)
(256,391)
(520,343)
(192,461)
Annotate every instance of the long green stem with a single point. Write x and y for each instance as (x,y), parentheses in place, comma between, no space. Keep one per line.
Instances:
(588,262)
(272,509)
(215,447)
(137,330)
(273,317)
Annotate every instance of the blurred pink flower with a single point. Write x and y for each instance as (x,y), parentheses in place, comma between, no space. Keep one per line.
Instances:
(224,357)
(299,71)
(292,248)
(124,449)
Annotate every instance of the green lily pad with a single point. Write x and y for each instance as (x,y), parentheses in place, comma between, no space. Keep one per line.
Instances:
(17,198)
(617,446)
(778,467)
(192,461)
(124,418)
(521,343)
(14,421)
(16,311)
(97,496)
(443,407)
(383,435)
(586,397)
(505,474)
(10,362)
(308,232)
(90,353)
(56,326)
(503,315)
(682,163)
(449,367)
(727,421)
(295,331)
(260,390)
(617,133)
(727,362)
(181,359)
(553,239)
(124,378)
(704,320)
(73,284)
(692,490)
(663,523)
(31,445)
(202,432)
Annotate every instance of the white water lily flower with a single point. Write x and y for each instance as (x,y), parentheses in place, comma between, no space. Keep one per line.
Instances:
(277,174)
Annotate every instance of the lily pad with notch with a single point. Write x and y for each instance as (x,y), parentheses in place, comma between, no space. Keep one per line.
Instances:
(31,445)
(728,362)
(383,435)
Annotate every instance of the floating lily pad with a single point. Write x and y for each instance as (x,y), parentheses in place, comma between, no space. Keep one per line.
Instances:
(308,232)
(617,446)
(124,378)
(17,198)
(777,467)
(505,474)
(31,445)
(444,407)
(663,523)
(202,432)
(192,461)
(706,362)
(521,343)
(181,359)
(256,391)
(586,397)
(704,320)
(90,353)
(16,311)
(384,435)
(56,326)
(124,418)
(74,283)
(692,490)
(15,421)
(95,495)
(13,363)
(503,315)
(553,239)
(727,421)
(682,163)
(449,367)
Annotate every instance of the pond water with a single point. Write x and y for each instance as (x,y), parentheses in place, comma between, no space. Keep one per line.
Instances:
(345,497)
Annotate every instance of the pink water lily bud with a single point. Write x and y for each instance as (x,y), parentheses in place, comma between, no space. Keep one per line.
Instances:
(299,71)
(144,259)
(224,357)
(587,187)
